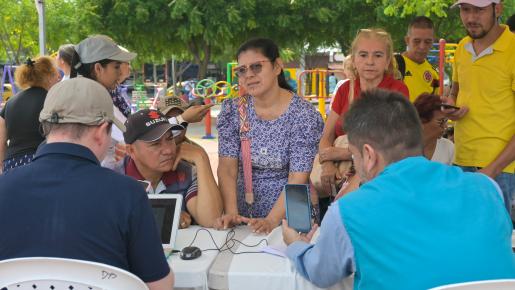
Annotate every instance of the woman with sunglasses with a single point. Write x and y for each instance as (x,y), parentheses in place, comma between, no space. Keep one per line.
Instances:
(372,64)
(434,124)
(284,131)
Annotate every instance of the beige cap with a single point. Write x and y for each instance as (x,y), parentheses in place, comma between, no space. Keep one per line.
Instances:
(99,47)
(167,103)
(79,100)
(477,3)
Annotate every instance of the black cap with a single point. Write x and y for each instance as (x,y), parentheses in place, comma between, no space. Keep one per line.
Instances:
(148,125)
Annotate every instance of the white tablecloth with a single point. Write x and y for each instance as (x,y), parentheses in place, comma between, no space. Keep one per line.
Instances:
(193,273)
(244,271)
(266,271)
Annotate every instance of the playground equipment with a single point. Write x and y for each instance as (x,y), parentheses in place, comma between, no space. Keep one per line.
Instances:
(313,85)
(213,92)
(8,72)
(442,54)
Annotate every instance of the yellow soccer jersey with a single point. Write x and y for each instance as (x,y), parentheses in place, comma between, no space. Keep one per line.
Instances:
(419,78)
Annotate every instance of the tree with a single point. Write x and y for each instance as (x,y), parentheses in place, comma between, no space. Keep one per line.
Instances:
(204,31)
(67,22)
(17,30)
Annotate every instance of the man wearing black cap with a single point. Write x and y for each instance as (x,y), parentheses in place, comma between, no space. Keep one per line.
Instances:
(64,204)
(154,157)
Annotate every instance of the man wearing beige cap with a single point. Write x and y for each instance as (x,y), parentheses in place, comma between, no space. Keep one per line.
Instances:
(64,204)
(484,89)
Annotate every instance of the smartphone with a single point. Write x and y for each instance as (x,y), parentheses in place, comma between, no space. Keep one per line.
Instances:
(447,106)
(146,185)
(298,207)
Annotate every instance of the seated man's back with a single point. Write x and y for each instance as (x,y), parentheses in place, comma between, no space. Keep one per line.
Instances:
(65,205)
(412,224)
(428,221)
(76,209)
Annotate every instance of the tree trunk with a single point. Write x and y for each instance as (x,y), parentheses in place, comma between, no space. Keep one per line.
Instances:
(204,62)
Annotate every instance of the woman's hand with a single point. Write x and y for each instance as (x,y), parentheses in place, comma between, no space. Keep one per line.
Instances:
(260,225)
(185,220)
(227,221)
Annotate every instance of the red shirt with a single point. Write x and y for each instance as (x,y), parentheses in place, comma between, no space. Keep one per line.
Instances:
(341,100)
(182,181)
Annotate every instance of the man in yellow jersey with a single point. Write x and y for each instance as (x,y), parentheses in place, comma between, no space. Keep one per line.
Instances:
(418,74)
(484,89)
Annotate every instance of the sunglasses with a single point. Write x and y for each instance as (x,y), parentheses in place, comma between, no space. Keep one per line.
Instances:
(255,67)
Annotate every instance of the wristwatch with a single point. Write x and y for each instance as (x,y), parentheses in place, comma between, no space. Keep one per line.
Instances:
(181,121)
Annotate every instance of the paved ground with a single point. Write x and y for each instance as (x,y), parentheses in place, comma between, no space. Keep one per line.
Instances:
(197,133)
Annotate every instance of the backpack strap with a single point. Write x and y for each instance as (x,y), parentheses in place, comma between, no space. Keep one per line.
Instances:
(401,64)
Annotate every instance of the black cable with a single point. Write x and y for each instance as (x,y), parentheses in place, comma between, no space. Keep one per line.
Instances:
(229,244)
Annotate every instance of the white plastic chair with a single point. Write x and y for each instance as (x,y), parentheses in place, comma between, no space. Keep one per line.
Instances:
(66,274)
(503,284)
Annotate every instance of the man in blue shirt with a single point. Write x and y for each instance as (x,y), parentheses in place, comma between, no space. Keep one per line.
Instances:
(64,204)
(413,224)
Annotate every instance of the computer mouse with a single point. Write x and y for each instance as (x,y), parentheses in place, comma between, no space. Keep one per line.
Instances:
(190,253)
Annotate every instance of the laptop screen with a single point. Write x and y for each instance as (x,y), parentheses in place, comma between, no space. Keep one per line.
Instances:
(166,209)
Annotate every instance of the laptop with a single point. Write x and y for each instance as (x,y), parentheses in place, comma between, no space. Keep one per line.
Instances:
(167,210)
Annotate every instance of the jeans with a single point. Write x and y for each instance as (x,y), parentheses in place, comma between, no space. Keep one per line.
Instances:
(506,182)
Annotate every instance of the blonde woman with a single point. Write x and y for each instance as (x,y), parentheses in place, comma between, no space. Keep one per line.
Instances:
(19,119)
(372,64)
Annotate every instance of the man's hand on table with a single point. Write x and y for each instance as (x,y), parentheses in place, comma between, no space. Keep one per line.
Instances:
(290,235)
(185,220)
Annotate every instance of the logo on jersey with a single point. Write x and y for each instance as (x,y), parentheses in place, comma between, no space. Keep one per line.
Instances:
(428,77)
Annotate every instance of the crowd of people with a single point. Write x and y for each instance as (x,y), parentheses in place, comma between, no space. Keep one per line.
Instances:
(400,206)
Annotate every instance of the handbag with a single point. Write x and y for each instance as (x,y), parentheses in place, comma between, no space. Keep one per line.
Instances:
(344,167)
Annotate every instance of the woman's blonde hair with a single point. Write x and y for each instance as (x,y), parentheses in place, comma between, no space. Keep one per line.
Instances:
(35,73)
(348,68)
(381,35)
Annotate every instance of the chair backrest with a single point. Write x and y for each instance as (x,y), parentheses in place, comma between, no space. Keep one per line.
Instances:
(504,284)
(59,273)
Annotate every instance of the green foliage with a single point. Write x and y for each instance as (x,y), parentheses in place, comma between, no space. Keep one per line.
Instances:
(67,21)
(204,31)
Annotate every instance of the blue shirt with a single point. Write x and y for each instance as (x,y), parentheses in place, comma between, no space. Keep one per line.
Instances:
(417,225)
(331,258)
(65,205)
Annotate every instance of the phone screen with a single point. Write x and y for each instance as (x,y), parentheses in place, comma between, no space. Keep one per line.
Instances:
(298,208)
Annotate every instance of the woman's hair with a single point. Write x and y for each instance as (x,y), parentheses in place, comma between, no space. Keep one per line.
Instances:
(270,50)
(348,68)
(86,70)
(426,104)
(35,73)
(383,36)
(66,52)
